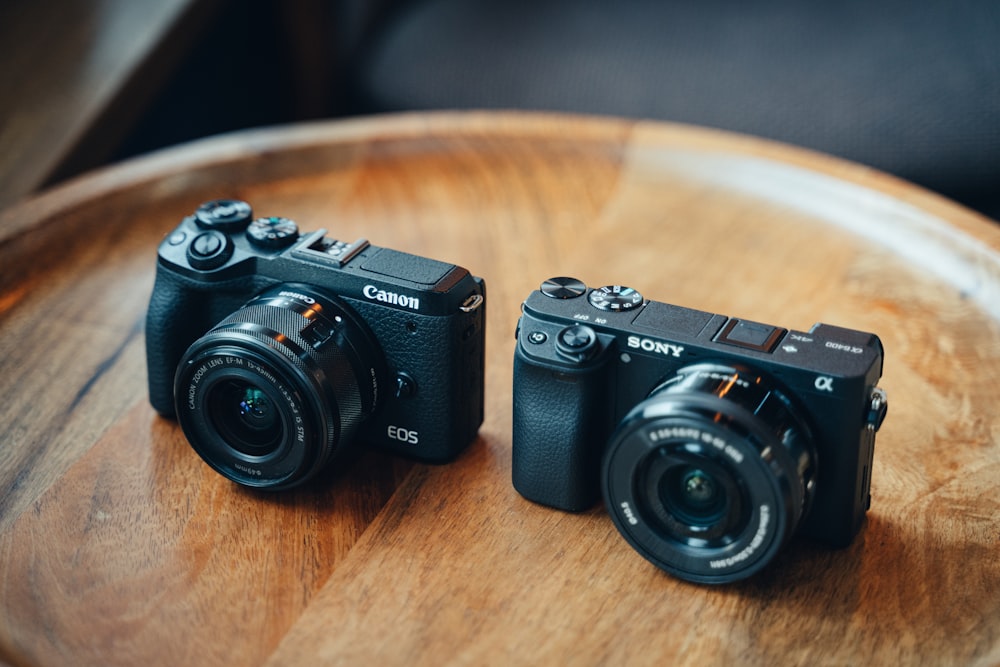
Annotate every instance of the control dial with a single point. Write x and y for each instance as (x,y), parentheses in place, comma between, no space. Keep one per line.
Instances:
(615,298)
(225,215)
(273,232)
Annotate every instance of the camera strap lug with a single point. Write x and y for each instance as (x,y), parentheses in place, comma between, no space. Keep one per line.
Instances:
(472,303)
(878,406)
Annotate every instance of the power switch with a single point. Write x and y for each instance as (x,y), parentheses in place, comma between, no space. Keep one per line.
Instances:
(577,342)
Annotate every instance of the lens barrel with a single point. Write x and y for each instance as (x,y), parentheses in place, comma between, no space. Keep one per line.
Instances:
(276,390)
(710,474)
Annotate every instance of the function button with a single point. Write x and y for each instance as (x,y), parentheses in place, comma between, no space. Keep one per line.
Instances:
(226,215)
(273,233)
(537,337)
(615,298)
(209,250)
(577,342)
(563,288)
(750,335)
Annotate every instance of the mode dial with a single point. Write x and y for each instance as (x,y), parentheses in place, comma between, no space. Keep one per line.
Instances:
(615,298)
(273,232)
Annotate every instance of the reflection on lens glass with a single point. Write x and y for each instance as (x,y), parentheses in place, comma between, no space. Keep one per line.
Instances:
(693,496)
(254,406)
(246,417)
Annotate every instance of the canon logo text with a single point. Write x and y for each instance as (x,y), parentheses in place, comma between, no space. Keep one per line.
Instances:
(375,294)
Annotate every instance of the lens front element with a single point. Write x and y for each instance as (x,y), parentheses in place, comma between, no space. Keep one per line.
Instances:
(246,417)
(710,474)
(694,500)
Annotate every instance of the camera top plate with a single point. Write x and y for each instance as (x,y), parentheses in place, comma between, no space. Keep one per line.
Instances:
(821,360)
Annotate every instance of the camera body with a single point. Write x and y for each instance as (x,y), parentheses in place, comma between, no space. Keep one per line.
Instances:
(391,342)
(613,392)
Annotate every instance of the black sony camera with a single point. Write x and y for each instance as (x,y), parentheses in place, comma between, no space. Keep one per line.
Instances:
(712,438)
(275,350)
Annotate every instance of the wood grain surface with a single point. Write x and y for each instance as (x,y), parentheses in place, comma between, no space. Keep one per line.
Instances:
(118,545)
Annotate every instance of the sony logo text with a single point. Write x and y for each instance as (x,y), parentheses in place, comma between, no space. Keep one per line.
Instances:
(375,294)
(650,345)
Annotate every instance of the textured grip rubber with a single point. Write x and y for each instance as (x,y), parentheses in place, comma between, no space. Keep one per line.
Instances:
(560,425)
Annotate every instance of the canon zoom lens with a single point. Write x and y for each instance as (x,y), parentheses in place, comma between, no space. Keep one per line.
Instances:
(272,393)
(710,474)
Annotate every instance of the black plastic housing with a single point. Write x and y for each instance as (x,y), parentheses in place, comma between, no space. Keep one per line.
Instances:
(428,318)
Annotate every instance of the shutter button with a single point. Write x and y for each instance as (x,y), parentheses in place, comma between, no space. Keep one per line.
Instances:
(577,342)
(209,250)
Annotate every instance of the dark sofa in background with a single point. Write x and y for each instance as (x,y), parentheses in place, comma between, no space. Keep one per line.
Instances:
(912,88)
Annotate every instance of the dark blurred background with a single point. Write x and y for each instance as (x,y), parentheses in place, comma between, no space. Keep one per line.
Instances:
(912,88)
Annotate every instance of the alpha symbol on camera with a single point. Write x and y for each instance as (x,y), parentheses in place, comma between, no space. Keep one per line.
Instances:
(824,383)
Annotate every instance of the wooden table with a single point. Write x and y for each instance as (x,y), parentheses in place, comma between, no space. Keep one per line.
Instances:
(118,545)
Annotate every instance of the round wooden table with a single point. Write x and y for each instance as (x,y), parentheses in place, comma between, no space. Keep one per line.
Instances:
(118,545)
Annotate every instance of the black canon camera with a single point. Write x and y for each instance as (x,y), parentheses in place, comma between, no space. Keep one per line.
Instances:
(275,350)
(712,438)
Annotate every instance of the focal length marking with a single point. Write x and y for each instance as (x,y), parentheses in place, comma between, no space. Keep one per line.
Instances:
(375,294)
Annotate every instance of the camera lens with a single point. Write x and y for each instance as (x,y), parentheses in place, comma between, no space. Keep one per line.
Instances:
(709,475)
(692,501)
(246,417)
(277,389)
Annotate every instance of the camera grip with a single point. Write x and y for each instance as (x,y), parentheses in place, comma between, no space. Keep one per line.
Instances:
(172,324)
(560,424)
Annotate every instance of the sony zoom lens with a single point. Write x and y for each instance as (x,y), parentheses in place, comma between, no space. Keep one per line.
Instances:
(710,474)
(272,393)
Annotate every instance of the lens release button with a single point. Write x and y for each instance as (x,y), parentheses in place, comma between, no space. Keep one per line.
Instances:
(406,387)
